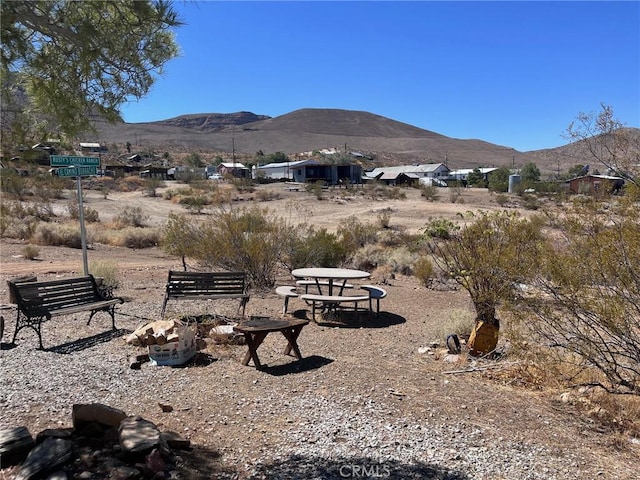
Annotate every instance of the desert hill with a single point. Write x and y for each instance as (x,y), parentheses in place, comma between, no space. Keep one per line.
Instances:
(387,141)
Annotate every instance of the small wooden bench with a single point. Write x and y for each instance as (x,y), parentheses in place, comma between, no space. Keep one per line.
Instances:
(332,300)
(256,329)
(40,301)
(206,286)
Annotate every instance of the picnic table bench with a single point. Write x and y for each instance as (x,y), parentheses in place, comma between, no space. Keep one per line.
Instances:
(40,301)
(332,300)
(206,285)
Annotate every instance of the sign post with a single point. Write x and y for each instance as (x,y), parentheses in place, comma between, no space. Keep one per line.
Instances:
(78,167)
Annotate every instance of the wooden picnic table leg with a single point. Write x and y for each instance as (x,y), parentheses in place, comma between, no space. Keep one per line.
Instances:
(292,334)
(254,340)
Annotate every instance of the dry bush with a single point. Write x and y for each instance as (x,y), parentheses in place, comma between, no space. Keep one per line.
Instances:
(267,195)
(90,215)
(130,217)
(106,270)
(30,252)
(138,237)
(130,184)
(459,321)
(369,257)
(423,270)
(57,235)
(401,260)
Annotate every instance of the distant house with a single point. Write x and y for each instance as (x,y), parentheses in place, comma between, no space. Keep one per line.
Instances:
(310,171)
(88,147)
(235,169)
(408,173)
(596,184)
(462,173)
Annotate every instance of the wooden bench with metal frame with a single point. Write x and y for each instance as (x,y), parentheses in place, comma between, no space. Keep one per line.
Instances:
(206,286)
(40,301)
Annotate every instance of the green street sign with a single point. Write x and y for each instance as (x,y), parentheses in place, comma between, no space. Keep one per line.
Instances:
(64,161)
(77,171)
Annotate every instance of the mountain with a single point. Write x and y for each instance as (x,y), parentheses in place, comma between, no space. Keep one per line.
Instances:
(388,141)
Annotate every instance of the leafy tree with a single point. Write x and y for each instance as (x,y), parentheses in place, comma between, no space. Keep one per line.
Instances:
(476,178)
(68,60)
(530,174)
(278,157)
(194,160)
(499,179)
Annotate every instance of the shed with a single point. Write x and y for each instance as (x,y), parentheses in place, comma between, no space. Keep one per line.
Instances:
(596,184)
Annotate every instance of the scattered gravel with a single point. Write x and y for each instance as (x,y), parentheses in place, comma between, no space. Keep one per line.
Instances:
(364,403)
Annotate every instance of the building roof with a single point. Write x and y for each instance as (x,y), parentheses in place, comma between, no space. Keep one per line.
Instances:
(232,165)
(89,145)
(467,171)
(406,169)
(297,163)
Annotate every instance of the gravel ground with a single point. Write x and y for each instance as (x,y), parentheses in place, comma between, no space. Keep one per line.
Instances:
(367,401)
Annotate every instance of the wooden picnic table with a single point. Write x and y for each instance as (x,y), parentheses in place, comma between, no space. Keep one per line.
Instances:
(256,329)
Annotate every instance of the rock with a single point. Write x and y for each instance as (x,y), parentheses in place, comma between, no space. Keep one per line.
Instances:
(46,457)
(96,412)
(138,435)
(451,358)
(175,440)
(15,444)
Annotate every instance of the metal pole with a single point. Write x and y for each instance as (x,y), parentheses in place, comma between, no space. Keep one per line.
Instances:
(83,232)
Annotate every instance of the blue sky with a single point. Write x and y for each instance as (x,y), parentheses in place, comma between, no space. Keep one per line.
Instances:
(510,73)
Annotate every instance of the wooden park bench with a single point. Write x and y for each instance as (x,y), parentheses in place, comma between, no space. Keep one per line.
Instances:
(206,286)
(40,301)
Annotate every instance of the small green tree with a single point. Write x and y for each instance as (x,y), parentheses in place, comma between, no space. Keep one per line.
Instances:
(476,179)
(499,179)
(530,174)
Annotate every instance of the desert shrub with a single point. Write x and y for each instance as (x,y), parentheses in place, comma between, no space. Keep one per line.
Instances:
(151,185)
(57,235)
(130,217)
(429,192)
(249,240)
(440,228)
(585,295)
(313,247)
(13,184)
(90,215)
(401,260)
(194,204)
(369,257)
(455,195)
(130,184)
(384,218)
(244,185)
(30,252)
(139,237)
(48,187)
(394,238)
(267,195)
(107,270)
(530,202)
(315,188)
(378,191)
(459,321)
(354,234)
(423,270)
(502,199)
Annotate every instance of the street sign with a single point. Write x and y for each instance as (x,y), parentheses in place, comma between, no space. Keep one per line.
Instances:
(77,171)
(64,161)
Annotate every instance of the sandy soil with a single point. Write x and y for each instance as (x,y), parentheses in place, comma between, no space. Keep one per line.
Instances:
(385,361)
